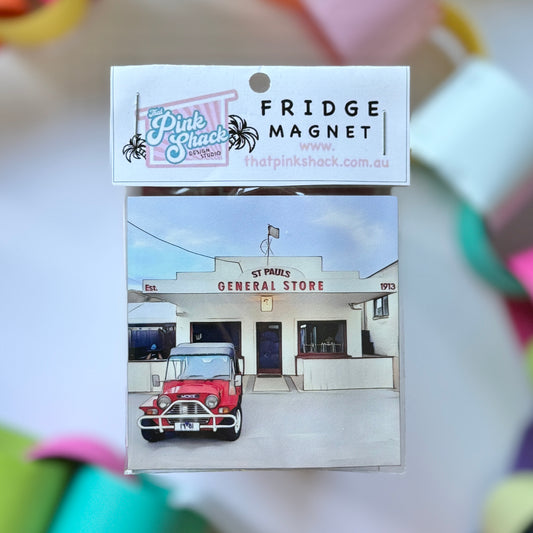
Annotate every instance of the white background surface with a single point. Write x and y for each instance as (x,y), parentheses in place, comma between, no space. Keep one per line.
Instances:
(63,310)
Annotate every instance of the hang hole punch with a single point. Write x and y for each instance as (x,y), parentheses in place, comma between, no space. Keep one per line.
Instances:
(259,82)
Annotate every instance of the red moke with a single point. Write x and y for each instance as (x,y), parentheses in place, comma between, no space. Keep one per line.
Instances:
(202,391)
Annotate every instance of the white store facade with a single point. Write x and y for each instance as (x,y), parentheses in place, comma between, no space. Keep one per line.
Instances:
(285,316)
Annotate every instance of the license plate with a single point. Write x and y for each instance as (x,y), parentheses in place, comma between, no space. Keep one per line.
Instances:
(187,426)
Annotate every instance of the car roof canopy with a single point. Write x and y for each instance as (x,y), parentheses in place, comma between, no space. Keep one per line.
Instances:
(204,348)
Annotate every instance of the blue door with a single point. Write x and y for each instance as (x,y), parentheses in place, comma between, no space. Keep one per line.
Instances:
(268,347)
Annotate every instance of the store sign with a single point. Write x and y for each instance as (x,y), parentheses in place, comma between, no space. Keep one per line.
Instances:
(271,286)
(244,126)
(270,280)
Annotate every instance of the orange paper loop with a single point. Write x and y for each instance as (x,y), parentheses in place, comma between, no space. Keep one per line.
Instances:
(43,24)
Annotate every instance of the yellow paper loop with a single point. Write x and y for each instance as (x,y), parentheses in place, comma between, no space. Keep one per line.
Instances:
(510,507)
(455,20)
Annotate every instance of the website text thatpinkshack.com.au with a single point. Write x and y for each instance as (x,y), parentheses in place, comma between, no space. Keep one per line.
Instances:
(311,161)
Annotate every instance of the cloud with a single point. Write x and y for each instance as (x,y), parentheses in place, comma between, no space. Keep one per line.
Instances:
(356,225)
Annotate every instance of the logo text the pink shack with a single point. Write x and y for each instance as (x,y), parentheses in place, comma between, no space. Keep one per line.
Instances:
(189,132)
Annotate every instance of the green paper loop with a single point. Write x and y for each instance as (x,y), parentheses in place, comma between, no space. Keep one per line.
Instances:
(30,491)
(478,251)
(509,508)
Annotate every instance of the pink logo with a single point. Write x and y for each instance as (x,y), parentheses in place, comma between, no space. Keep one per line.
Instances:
(188,133)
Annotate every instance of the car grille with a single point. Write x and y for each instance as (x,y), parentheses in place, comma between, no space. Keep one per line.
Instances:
(187,408)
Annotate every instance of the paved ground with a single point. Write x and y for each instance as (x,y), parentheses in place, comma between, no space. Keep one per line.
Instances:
(270,384)
(291,429)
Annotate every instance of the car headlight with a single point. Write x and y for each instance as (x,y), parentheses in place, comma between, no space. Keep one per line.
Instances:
(163,401)
(211,401)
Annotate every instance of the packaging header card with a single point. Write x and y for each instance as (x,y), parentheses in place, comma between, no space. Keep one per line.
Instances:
(257,126)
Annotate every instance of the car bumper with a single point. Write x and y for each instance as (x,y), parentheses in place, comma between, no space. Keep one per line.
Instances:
(187,415)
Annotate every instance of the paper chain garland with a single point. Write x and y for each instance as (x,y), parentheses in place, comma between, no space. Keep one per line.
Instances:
(76,484)
(473,157)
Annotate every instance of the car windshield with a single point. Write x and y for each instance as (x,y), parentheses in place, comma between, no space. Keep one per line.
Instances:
(198,367)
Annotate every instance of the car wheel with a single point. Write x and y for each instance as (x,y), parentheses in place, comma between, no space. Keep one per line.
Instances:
(149,434)
(233,433)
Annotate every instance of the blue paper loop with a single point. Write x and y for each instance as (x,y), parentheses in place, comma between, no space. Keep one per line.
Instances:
(101,502)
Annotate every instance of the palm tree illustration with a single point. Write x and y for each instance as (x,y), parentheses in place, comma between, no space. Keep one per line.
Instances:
(136,148)
(137,145)
(240,134)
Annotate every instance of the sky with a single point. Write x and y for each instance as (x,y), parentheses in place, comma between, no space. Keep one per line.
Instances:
(350,233)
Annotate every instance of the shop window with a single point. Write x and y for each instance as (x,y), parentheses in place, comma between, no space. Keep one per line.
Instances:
(217,332)
(151,341)
(381,307)
(322,337)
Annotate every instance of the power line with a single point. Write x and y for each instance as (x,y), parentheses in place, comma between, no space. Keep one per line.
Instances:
(181,247)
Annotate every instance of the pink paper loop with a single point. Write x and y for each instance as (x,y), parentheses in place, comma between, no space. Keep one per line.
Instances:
(521,265)
(80,449)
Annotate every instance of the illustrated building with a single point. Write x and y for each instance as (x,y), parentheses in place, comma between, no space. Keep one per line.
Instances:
(285,316)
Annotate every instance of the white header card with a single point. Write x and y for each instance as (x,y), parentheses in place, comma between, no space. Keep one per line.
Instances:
(258,126)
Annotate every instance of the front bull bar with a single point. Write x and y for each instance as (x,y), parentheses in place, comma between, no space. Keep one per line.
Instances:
(161,425)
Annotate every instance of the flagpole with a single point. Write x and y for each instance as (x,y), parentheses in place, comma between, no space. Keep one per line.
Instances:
(272,231)
(268,245)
